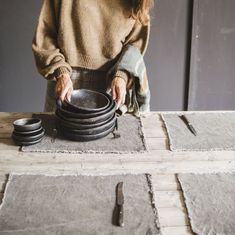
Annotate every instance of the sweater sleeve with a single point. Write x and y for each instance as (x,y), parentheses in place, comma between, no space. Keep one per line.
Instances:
(49,59)
(139,37)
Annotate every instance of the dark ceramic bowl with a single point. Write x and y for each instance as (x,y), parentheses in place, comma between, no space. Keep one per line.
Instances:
(60,121)
(84,100)
(90,131)
(110,112)
(35,132)
(28,138)
(81,138)
(68,112)
(27,124)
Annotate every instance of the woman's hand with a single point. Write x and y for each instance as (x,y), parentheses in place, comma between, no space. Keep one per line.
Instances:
(64,87)
(118,88)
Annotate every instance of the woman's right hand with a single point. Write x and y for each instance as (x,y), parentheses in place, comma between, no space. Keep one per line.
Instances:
(64,87)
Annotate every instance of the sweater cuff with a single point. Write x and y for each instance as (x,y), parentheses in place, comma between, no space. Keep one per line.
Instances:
(60,71)
(122,74)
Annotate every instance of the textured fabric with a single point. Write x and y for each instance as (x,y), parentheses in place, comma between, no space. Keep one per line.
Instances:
(215,131)
(138,92)
(210,201)
(87,34)
(76,205)
(129,127)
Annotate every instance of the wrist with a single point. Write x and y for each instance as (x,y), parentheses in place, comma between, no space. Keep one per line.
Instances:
(61,72)
(122,74)
(63,77)
(121,78)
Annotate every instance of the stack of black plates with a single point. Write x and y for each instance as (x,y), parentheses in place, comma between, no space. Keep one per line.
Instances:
(88,116)
(27,131)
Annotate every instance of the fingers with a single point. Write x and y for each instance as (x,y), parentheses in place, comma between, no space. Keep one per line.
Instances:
(114,94)
(64,89)
(69,94)
(119,91)
(120,95)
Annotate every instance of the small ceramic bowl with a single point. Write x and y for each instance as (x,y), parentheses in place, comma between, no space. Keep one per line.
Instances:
(28,133)
(27,124)
(84,100)
(28,138)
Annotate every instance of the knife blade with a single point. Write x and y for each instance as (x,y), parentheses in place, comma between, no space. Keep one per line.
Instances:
(189,125)
(120,203)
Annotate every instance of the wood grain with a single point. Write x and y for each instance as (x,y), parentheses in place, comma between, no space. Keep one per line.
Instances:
(159,161)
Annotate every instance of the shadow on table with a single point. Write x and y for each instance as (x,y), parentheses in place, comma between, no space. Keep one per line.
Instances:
(3,187)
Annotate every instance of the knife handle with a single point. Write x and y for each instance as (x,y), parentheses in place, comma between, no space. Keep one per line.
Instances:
(121,216)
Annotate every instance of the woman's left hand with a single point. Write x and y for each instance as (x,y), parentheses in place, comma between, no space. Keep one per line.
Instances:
(118,88)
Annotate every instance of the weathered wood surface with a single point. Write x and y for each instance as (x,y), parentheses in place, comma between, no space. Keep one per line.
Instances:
(159,161)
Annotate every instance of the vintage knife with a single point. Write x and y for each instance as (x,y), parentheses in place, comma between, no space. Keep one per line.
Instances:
(190,126)
(120,203)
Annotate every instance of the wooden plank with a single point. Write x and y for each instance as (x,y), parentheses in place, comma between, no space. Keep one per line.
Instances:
(157,132)
(165,183)
(178,230)
(102,167)
(169,199)
(182,167)
(157,144)
(170,217)
(10,117)
(10,152)
(154,163)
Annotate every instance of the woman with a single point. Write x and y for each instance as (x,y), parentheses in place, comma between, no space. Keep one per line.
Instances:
(93,44)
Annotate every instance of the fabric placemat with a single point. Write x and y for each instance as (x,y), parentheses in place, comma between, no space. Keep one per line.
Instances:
(62,205)
(210,201)
(215,131)
(129,127)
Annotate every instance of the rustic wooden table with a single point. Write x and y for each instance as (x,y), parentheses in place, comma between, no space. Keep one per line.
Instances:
(162,163)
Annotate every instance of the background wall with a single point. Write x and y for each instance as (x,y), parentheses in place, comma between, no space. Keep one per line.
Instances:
(177,83)
(212,76)
(21,88)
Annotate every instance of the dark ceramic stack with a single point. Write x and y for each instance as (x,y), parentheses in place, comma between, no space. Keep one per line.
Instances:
(27,131)
(88,116)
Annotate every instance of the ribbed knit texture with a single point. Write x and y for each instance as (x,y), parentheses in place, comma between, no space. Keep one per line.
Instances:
(123,75)
(62,70)
(86,34)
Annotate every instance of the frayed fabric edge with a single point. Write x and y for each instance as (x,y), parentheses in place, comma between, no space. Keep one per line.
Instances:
(152,200)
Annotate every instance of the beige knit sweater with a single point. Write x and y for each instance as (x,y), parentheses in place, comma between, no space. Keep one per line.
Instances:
(84,33)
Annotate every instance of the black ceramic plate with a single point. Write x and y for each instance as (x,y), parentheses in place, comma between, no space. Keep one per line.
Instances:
(28,138)
(27,124)
(80,126)
(93,120)
(20,143)
(82,138)
(90,131)
(88,101)
(35,132)
(66,111)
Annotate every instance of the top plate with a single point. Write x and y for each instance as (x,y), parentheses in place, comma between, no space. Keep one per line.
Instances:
(27,124)
(87,100)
